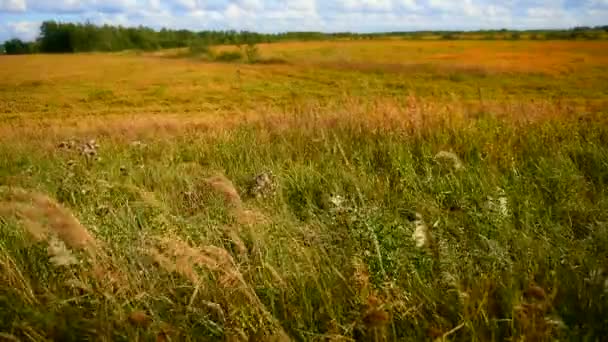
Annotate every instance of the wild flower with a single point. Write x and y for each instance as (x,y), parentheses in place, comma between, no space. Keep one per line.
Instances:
(421,234)
(449,158)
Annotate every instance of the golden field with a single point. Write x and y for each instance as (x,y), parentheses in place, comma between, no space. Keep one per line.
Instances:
(381,190)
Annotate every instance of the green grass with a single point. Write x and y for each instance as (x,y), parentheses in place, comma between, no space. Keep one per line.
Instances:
(316,270)
(516,240)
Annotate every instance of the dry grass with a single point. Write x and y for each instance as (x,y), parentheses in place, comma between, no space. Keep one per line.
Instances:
(43,217)
(225,188)
(498,56)
(174,255)
(112,93)
(12,276)
(413,113)
(352,131)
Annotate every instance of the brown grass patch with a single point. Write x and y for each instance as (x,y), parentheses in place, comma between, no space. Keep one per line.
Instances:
(11,275)
(222,185)
(177,256)
(407,68)
(47,221)
(42,217)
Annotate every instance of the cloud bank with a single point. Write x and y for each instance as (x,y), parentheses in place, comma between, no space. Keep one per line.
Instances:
(21,18)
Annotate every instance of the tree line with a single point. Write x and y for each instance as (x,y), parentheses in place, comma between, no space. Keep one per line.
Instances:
(57,37)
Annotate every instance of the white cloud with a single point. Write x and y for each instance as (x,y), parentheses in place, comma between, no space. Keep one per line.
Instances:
(249,5)
(374,5)
(57,6)
(12,6)
(298,15)
(113,5)
(407,4)
(25,30)
(598,4)
(464,7)
(186,4)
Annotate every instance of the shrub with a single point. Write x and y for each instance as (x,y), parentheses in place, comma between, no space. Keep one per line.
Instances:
(229,56)
(198,47)
(252,53)
(18,47)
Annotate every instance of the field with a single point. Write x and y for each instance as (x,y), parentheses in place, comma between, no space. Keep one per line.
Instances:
(343,190)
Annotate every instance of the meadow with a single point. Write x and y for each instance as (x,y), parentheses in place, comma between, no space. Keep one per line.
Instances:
(335,191)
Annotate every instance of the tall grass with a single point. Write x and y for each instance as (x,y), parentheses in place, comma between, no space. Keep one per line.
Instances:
(407,223)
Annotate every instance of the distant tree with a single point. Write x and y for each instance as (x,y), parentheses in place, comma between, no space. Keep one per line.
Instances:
(55,37)
(198,47)
(17,47)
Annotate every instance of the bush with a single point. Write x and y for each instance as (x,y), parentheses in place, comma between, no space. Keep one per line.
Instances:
(229,56)
(272,60)
(198,47)
(252,53)
(18,47)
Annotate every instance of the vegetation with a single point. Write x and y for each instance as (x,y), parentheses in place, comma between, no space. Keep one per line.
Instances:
(351,194)
(199,48)
(58,37)
(18,47)
(229,56)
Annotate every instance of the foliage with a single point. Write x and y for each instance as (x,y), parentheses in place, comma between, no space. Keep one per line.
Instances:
(229,56)
(198,47)
(18,47)
(252,53)
(57,37)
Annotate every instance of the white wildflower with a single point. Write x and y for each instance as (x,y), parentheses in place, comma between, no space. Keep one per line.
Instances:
(499,204)
(59,254)
(89,149)
(503,206)
(337,201)
(421,234)
(93,144)
(555,321)
(449,157)
(263,185)
(138,144)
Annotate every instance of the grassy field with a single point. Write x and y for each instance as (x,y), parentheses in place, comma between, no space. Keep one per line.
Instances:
(356,190)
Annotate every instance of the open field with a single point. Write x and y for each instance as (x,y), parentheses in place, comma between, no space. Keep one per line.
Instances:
(405,190)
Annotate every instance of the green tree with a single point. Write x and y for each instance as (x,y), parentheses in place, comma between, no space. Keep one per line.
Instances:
(17,47)
(55,37)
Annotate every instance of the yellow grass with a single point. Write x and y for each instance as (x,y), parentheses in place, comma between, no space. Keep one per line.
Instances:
(110,90)
(361,137)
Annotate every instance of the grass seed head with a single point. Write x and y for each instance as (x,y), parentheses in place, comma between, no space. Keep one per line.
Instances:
(224,186)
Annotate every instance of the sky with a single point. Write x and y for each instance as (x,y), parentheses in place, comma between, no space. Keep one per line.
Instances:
(22,18)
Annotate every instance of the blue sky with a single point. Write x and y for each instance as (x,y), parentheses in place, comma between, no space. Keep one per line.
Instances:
(21,18)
